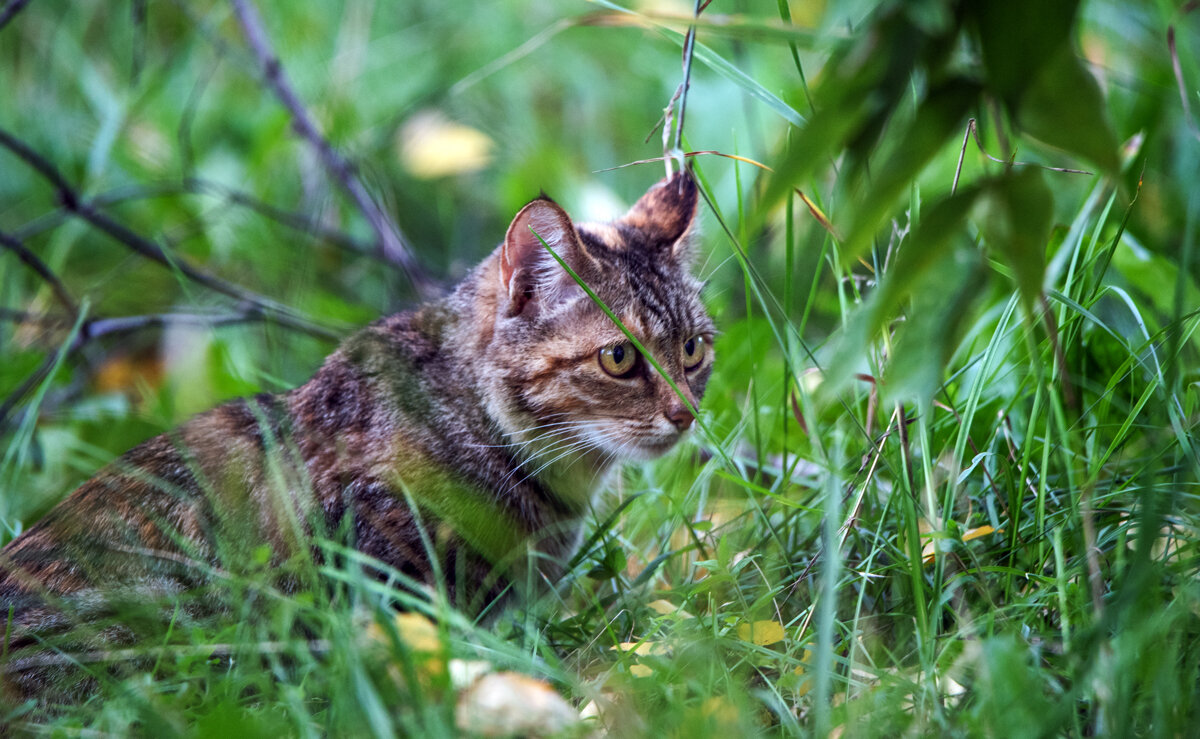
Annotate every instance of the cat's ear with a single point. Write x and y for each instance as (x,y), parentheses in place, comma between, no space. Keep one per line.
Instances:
(527,272)
(664,215)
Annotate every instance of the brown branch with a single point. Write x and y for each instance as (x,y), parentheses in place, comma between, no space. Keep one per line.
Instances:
(98,327)
(392,245)
(199,186)
(973,130)
(37,265)
(689,47)
(71,200)
(95,328)
(10,10)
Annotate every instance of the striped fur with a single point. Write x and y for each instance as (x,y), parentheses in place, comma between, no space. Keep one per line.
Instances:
(489,411)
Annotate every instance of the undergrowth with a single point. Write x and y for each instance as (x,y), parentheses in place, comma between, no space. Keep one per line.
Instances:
(946,480)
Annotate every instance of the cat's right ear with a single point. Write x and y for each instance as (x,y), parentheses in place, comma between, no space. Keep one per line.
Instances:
(527,272)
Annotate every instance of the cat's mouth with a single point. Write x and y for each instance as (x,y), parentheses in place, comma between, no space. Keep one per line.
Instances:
(646,448)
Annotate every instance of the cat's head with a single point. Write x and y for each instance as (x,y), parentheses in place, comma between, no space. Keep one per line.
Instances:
(562,375)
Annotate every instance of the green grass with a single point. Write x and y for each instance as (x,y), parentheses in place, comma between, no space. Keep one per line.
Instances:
(947,468)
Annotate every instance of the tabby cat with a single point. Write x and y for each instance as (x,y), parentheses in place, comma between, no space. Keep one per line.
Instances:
(465,438)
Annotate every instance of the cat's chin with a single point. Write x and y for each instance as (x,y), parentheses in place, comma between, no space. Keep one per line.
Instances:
(647,450)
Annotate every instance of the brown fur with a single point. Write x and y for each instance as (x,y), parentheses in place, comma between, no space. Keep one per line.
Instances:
(467,433)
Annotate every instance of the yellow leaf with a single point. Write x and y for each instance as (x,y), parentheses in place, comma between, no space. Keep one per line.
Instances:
(640,671)
(975,533)
(418,632)
(645,647)
(719,708)
(762,633)
(929,551)
(667,608)
(431,145)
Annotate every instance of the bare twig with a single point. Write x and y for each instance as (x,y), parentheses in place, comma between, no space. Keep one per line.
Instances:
(962,154)
(37,265)
(199,186)
(689,47)
(98,327)
(95,328)
(73,202)
(392,244)
(10,9)
(973,130)
(302,223)
(21,316)
(686,155)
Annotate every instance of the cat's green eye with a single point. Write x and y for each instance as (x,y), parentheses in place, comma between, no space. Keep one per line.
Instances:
(619,360)
(694,350)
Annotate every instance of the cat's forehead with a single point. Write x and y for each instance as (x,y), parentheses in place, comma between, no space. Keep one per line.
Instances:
(644,287)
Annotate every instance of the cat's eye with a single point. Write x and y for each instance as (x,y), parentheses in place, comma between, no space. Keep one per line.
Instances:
(694,350)
(619,360)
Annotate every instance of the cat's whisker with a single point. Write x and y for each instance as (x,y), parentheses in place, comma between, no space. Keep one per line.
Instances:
(580,447)
(553,448)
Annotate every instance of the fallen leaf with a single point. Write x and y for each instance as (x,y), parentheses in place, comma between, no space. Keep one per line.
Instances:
(667,608)
(929,551)
(761,633)
(431,146)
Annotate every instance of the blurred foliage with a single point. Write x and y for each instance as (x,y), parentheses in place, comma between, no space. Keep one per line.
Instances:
(933,324)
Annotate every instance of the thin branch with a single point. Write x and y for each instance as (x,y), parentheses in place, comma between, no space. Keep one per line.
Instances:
(689,46)
(11,8)
(37,265)
(73,202)
(392,244)
(21,316)
(689,154)
(98,327)
(95,328)
(199,186)
(973,129)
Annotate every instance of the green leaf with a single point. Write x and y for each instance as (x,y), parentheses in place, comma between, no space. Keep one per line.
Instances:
(1016,225)
(926,340)
(868,78)
(1015,49)
(1064,107)
(939,115)
(923,250)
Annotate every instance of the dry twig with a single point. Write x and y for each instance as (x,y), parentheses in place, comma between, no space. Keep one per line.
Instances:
(392,245)
(74,203)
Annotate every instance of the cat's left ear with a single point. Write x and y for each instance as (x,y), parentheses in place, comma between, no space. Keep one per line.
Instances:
(528,274)
(664,215)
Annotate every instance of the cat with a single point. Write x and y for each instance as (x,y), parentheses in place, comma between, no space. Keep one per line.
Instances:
(466,437)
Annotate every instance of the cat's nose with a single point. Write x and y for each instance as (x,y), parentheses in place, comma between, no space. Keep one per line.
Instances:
(679,415)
